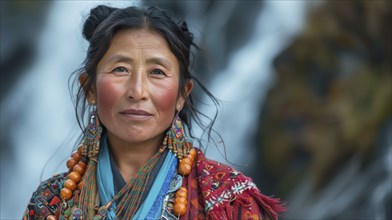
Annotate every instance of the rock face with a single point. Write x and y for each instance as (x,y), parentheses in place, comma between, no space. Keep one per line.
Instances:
(328,114)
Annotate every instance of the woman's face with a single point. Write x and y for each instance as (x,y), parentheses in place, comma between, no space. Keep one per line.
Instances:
(137,87)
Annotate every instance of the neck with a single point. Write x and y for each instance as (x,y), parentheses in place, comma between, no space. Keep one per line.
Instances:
(130,157)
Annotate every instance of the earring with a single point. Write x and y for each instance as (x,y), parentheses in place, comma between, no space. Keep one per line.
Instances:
(92,135)
(175,139)
(91,142)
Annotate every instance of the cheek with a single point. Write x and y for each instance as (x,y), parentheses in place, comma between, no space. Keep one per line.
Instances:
(107,95)
(166,98)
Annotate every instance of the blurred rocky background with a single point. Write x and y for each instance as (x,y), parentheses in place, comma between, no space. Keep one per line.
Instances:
(305,87)
(326,125)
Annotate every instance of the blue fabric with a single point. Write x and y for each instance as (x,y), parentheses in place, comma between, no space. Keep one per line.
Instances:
(156,209)
(105,178)
(152,206)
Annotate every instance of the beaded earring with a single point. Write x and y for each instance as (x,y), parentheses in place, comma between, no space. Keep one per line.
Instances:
(91,143)
(92,136)
(175,139)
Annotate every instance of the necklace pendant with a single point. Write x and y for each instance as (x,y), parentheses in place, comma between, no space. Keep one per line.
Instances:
(77,214)
(166,215)
(102,212)
(175,183)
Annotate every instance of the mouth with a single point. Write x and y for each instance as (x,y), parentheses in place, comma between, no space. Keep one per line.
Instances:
(136,114)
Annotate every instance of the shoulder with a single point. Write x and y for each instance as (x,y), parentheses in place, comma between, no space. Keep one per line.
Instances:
(46,199)
(220,183)
(222,186)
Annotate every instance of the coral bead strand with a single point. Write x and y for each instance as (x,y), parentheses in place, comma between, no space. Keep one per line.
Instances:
(77,166)
(184,168)
(180,202)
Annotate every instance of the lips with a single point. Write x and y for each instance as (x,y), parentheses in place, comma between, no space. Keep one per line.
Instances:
(136,112)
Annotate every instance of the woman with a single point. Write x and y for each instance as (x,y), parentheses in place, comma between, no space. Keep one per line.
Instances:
(134,161)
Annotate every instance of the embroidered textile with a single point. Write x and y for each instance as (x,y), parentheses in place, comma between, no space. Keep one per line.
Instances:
(215,191)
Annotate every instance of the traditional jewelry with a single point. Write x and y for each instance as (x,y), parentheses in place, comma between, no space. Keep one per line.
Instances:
(77,165)
(175,141)
(80,184)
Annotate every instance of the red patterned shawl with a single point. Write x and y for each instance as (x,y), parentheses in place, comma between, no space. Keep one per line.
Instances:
(217,191)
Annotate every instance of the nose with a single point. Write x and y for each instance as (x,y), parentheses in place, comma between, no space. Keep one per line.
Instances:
(137,87)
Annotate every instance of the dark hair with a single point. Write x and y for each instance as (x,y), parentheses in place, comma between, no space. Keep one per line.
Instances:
(99,28)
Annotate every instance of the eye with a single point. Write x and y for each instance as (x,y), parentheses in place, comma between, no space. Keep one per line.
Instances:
(120,69)
(158,72)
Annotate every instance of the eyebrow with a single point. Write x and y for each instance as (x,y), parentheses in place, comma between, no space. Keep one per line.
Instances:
(119,58)
(153,60)
(161,61)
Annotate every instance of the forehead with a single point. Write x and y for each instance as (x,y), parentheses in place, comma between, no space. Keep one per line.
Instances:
(134,40)
(139,45)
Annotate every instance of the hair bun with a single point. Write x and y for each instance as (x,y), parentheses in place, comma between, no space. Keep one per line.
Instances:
(97,15)
(184,28)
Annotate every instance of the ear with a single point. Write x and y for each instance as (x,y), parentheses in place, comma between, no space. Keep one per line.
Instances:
(181,98)
(89,92)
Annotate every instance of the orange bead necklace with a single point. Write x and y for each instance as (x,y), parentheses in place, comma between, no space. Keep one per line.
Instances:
(184,169)
(77,166)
